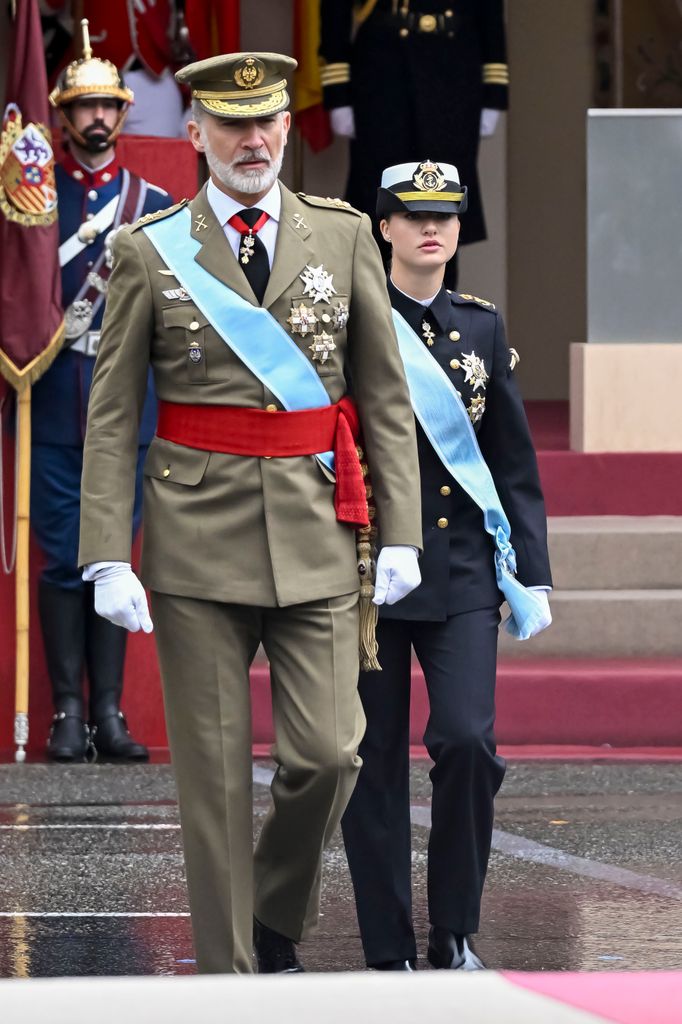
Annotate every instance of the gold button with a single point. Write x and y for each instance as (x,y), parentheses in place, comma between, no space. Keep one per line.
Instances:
(454,363)
(445,490)
(166,471)
(442,523)
(271,408)
(448,14)
(194,326)
(427,23)
(404,32)
(455,335)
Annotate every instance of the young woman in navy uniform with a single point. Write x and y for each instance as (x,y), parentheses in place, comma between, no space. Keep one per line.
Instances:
(451,620)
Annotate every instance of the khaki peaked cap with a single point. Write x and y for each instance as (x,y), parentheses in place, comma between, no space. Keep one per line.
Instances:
(240,84)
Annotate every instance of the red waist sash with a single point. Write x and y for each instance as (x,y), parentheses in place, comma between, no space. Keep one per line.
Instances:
(239,431)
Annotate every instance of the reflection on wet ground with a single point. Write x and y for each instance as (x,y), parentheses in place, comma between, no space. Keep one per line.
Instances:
(585,873)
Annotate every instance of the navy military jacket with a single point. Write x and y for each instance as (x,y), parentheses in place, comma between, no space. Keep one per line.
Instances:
(60,398)
(457,567)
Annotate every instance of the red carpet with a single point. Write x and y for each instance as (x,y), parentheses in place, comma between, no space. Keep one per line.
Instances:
(601,484)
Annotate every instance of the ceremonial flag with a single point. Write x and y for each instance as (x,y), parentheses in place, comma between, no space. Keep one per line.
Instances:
(31,320)
(312,120)
(213,26)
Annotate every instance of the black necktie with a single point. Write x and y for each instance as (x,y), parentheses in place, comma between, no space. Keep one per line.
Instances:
(253,256)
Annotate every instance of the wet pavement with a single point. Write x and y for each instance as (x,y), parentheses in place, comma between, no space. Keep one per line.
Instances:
(586,872)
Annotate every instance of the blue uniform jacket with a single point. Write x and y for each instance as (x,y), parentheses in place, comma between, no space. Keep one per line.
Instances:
(60,397)
(457,564)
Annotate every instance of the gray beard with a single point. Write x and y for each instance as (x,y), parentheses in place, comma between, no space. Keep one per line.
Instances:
(246,182)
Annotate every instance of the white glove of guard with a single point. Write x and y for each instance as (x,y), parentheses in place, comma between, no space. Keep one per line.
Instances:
(489,119)
(119,595)
(397,573)
(343,122)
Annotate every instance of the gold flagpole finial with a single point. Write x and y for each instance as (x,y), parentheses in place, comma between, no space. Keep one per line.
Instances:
(87,49)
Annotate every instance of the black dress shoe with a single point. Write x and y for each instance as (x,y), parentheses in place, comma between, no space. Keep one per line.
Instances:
(111,738)
(275,953)
(394,965)
(69,739)
(452,952)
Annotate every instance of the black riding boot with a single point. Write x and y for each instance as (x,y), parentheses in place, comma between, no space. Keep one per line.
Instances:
(62,618)
(105,650)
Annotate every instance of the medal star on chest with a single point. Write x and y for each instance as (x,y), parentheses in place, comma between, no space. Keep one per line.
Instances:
(474,371)
(302,320)
(318,284)
(323,344)
(476,408)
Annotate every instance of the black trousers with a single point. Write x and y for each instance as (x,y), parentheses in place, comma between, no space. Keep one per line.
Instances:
(458,658)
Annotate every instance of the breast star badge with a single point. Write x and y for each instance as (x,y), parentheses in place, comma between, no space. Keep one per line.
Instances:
(302,319)
(427,333)
(317,283)
(474,371)
(322,346)
(476,408)
(341,314)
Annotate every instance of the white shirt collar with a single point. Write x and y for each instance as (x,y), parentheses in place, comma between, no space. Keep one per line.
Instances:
(422,302)
(225,206)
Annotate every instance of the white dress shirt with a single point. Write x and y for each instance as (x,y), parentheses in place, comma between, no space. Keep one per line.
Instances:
(225,206)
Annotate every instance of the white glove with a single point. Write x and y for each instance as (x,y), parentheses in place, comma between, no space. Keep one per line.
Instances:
(397,573)
(546,618)
(119,595)
(343,122)
(489,119)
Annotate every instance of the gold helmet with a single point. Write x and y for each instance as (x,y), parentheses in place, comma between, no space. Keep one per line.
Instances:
(89,77)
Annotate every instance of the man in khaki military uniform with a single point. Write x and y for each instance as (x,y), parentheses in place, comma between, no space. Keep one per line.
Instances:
(247,536)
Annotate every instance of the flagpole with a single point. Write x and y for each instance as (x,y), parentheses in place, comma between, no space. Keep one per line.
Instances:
(23,485)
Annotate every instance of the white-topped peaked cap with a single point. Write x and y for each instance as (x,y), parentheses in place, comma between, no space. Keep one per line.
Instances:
(425,186)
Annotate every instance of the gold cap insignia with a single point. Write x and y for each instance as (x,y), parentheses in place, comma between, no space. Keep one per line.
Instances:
(250,73)
(428,177)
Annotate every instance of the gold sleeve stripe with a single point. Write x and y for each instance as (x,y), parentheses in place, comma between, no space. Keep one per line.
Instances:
(496,79)
(335,76)
(415,197)
(334,67)
(505,66)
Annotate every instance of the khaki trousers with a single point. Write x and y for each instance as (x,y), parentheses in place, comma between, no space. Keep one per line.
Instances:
(205,650)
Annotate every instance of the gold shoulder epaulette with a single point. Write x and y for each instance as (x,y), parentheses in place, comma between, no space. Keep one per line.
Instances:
(336,204)
(474,298)
(158,215)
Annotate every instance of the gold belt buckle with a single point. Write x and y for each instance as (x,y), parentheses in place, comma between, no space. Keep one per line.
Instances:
(427,23)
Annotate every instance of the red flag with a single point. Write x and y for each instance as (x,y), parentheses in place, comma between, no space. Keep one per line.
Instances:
(31,319)
(312,120)
(213,26)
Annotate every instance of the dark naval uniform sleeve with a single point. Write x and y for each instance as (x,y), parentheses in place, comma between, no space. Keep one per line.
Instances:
(507,447)
(336,22)
(493,54)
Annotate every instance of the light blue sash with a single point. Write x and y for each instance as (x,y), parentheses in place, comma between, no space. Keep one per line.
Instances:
(446,423)
(250,331)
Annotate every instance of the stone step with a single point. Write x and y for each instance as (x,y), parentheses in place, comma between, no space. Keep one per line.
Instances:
(591,701)
(616,552)
(607,624)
